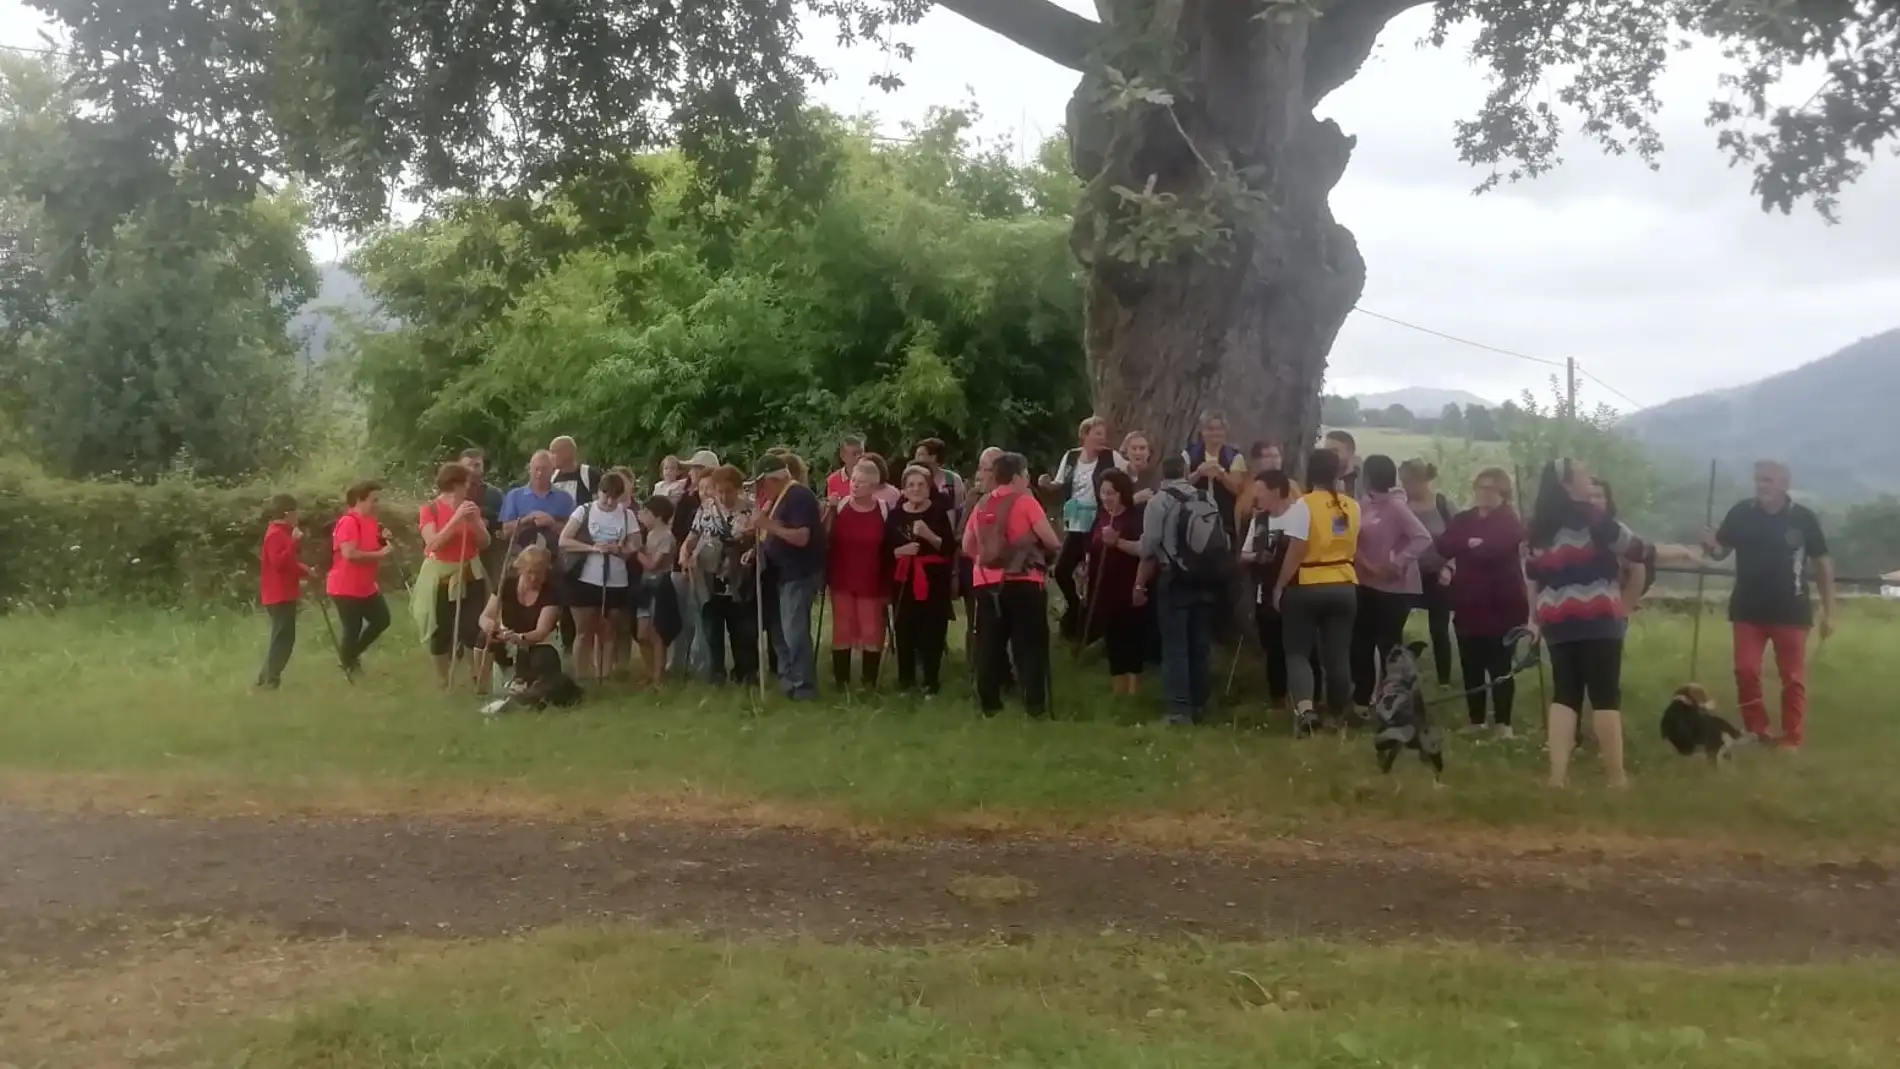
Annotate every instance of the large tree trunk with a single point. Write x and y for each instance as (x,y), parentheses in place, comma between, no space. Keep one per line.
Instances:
(1246,328)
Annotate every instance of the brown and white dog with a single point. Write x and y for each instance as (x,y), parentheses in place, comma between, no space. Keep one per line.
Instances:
(1690,723)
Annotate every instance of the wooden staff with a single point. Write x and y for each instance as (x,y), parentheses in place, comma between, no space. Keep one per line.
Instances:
(758,579)
(1701,585)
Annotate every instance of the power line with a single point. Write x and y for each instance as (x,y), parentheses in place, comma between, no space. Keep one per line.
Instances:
(1607,386)
(1454,338)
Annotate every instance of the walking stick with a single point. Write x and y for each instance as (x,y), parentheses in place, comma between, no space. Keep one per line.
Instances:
(758,584)
(1095,600)
(1701,584)
(323,610)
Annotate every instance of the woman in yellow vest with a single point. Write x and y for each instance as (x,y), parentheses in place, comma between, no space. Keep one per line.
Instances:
(1317,593)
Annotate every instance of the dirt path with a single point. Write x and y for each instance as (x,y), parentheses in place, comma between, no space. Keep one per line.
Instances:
(68,877)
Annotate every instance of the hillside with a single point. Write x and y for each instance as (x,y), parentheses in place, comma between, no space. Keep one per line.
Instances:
(1423,401)
(1836,420)
(339,296)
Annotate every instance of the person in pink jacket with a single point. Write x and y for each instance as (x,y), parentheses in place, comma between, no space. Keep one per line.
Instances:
(1391,540)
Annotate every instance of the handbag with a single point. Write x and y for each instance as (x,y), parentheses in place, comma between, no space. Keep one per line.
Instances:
(574,562)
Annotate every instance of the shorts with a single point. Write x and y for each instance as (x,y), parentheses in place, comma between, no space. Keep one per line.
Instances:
(582,597)
(857,623)
(650,584)
(1591,669)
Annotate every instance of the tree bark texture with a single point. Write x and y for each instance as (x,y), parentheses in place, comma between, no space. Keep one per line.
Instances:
(1246,330)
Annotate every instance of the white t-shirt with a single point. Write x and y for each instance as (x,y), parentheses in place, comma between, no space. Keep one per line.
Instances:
(605,528)
(1295,524)
(1079,478)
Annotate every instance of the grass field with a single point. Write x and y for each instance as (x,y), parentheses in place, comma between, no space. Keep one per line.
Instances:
(566,999)
(155,710)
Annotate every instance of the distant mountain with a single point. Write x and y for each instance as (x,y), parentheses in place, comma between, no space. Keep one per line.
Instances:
(1836,421)
(340,295)
(1423,401)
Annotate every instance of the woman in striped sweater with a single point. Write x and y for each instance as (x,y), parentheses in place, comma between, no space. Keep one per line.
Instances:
(1574,573)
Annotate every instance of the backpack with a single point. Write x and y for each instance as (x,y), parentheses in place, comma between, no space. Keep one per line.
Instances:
(995,551)
(1202,549)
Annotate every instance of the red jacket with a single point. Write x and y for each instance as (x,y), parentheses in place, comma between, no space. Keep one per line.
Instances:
(281,578)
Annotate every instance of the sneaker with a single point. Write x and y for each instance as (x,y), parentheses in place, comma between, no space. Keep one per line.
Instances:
(1471,729)
(1305,722)
(1504,733)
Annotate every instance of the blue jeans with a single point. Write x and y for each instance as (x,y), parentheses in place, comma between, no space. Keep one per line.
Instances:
(797,671)
(1186,615)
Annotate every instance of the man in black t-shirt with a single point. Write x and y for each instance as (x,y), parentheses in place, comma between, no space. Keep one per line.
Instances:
(1780,552)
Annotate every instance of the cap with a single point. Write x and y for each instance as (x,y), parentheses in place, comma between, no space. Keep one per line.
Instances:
(769,465)
(705,458)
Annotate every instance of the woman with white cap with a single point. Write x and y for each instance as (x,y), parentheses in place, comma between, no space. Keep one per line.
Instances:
(687,654)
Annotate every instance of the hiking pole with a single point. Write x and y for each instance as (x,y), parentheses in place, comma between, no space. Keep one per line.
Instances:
(1701,584)
(1095,600)
(323,610)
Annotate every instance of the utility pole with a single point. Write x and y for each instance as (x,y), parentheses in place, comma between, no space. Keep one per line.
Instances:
(1570,388)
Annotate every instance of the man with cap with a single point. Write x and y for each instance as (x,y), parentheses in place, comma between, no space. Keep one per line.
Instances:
(688,651)
(792,532)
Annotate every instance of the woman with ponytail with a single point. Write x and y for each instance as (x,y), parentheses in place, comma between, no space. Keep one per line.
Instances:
(1316,592)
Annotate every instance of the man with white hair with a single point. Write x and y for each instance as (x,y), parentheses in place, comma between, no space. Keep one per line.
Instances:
(580,481)
(534,512)
(1779,553)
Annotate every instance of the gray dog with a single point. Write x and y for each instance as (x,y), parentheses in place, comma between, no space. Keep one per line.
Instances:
(1401,716)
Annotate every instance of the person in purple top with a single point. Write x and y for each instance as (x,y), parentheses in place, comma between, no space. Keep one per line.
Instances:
(1483,548)
(1391,541)
(1575,574)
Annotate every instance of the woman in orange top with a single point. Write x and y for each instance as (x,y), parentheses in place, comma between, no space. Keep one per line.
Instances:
(452,586)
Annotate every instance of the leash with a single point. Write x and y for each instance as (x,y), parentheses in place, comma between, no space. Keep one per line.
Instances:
(1527,652)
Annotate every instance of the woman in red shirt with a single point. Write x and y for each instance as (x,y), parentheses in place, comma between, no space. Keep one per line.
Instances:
(859,569)
(452,585)
(357,551)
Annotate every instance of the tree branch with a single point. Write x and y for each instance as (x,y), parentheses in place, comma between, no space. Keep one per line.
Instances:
(1051,32)
(1341,40)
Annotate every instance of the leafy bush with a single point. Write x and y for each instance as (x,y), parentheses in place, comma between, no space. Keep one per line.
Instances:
(173,543)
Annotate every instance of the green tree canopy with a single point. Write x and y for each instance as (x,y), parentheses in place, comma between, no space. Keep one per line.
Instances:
(1216,271)
(145,320)
(924,290)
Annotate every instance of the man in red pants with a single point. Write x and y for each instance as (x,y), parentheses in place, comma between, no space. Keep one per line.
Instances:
(1779,553)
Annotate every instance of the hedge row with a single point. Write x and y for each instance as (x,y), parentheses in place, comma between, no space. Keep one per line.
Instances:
(173,543)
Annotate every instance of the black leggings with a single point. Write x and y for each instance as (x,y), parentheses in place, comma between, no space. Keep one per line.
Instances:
(923,631)
(361,621)
(1125,637)
(1436,601)
(451,616)
(1589,670)
(1378,628)
(1486,659)
(1075,547)
(1012,631)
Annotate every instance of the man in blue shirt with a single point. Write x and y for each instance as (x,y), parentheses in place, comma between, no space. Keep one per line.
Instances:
(793,531)
(535,513)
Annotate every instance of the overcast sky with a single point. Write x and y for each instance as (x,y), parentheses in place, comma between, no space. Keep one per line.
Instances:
(1661,283)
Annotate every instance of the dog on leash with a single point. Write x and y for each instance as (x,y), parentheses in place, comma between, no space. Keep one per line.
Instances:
(1401,716)
(1690,723)
(539,683)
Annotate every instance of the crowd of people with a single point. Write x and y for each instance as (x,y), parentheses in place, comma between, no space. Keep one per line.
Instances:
(577,568)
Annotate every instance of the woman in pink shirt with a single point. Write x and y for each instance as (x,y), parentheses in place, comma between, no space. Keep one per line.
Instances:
(1391,539)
